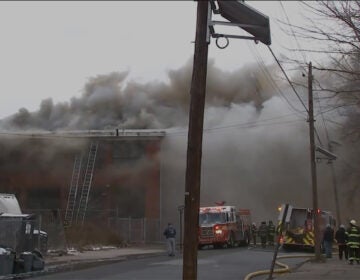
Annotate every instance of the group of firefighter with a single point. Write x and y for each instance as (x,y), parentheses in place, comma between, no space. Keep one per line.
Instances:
(348,241)
(266,233)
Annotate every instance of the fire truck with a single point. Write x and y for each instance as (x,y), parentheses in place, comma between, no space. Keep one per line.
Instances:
(224,226)
(298,231)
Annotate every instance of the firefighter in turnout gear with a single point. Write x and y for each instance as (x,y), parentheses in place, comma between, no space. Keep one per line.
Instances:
(340,237)
(270,233)
(353,242)
(262,232)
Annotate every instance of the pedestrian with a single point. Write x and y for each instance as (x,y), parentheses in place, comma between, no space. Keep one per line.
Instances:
(170,234)
(262,232)
(328,238)
(340,237)
(353,242)
(253,233)
(270,233)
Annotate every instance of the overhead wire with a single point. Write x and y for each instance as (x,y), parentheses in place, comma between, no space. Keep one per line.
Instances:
(251,124)
(285,74)
(293,33)
(264,69)
(287,78)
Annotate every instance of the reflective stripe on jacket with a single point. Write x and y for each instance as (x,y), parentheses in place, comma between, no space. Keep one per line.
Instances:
(353,237)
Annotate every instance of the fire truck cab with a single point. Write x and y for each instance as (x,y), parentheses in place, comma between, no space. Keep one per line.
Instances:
(224,226)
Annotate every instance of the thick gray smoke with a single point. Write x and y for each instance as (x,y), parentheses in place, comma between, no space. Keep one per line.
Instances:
(255,148)
(108,101)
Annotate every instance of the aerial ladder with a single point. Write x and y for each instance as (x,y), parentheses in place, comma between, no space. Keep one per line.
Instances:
(86,186)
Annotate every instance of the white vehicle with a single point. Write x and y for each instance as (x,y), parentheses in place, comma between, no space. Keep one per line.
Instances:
(9,204)
(13,221)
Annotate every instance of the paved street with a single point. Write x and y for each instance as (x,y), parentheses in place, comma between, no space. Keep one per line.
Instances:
(212,264)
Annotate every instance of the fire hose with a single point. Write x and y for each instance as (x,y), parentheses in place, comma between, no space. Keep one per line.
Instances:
(284,268)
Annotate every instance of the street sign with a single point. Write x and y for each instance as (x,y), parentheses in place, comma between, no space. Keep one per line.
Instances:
(246,18)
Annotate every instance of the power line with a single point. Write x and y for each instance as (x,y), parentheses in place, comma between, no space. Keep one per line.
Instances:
(287,78)
(292,32)
(263,68)
(245,125)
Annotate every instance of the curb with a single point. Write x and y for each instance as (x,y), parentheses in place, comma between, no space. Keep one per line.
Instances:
(78,265)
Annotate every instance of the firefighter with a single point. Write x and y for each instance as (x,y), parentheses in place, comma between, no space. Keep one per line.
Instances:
(340,237)
(353,242)
(253,233)
(328,238)
(270,233)
(262,232)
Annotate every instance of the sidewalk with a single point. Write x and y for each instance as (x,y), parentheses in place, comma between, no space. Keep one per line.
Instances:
(78,260)
(105,254)
(331,269)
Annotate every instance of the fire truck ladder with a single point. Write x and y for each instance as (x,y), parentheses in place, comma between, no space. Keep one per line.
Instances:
(69,213)
(85,190)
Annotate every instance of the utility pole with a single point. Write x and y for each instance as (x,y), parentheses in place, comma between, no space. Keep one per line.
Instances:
(194,149)
(337,206)
(313,166)
(181,211)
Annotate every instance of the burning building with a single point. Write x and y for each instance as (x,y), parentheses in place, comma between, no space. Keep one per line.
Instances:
(125,177)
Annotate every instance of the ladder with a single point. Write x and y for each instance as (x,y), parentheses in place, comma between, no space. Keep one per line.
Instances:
(86,186)
(70,207)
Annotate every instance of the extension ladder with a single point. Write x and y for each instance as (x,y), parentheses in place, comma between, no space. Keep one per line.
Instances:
(70,207)
(86,186)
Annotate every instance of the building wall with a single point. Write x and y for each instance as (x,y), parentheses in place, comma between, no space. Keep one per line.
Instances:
(126,179)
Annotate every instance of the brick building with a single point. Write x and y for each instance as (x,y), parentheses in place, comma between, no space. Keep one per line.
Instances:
(38,168)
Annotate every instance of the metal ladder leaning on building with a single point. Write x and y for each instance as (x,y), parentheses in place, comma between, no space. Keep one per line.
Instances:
(70,207)
(86,186)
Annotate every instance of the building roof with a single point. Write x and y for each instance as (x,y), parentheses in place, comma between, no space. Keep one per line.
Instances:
(121,133)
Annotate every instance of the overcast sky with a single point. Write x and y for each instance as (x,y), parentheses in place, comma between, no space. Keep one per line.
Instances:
(50,49)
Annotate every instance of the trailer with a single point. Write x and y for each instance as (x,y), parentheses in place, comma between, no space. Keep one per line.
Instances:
(21,244)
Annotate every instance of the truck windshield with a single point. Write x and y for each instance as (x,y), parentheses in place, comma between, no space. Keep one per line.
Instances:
(211,218)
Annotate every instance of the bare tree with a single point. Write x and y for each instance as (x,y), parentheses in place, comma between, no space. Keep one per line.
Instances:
(333,32)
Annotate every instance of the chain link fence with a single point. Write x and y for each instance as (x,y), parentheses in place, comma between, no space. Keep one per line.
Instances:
(50,221)
(137,230)
(20,233)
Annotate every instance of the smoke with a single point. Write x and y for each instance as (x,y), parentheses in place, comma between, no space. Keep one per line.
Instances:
(109,101)
(255,145)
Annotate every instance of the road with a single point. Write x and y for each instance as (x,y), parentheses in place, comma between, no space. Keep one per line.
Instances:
(233,263)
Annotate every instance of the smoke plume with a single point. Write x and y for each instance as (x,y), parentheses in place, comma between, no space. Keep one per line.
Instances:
(255,145)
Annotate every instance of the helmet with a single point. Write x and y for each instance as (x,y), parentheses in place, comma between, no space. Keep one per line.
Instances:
(342,226)
(353,222)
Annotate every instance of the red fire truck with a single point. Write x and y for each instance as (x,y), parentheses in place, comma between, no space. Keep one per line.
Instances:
(224,226)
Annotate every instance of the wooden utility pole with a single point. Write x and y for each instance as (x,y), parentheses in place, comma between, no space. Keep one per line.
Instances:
(333,173)
(313,167)
(194,149)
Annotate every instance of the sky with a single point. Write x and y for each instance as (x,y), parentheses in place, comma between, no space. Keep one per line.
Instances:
(54,49)
(50,49)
